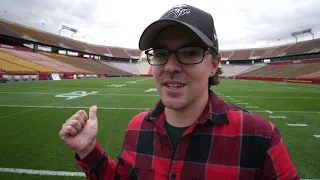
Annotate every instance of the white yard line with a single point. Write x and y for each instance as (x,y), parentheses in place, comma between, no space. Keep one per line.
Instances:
(298,125)
(72,107)
(98,94)
(113,94)
(53,173)
(21,112)
(302,112)
(278,117)
(116,108)
(24,88)
(316,136)
(235,100)
(252,107)
(243,103)
(245,90)
(41,172)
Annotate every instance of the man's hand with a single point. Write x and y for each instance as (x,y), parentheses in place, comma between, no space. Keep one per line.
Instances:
(80,132)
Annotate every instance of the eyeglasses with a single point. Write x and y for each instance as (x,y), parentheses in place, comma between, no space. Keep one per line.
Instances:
(185,55)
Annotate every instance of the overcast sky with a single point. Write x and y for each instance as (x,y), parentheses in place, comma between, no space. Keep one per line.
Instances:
(239,23)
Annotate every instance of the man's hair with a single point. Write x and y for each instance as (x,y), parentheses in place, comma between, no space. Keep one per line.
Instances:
(215,80)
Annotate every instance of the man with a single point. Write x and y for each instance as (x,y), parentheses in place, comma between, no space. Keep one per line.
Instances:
(191,133)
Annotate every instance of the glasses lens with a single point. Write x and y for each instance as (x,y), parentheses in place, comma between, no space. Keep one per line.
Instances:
(190,55)
(158,56)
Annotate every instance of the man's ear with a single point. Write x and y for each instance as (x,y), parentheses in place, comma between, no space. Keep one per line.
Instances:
(215,65)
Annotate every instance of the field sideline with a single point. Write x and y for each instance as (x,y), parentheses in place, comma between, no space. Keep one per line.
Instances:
(31,115)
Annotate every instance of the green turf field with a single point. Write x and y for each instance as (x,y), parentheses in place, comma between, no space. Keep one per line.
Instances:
(31,116)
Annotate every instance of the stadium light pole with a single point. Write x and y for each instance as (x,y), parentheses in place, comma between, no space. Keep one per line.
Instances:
(294,34)
(69,29)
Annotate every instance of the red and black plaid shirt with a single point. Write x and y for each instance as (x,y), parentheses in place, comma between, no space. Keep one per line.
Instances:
(225,142)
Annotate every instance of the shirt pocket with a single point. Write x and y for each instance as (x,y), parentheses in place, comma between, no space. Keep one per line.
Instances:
(141,173)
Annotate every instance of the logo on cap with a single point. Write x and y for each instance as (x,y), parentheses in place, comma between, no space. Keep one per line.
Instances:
(179,10)
(215,36)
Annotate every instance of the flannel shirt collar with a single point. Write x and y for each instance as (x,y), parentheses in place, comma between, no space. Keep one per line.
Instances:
(215,111)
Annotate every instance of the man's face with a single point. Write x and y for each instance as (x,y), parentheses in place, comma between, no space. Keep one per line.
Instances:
(169,77)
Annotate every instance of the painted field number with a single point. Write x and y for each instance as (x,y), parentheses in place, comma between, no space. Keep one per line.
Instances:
(76,94)
(151,90)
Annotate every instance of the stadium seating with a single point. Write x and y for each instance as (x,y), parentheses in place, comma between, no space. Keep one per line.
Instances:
(135,54)
(119,52)
(6,66)
(233,70)
(89,48)
(90,65)
(8,31)
(119,61)
(296,70)
(25,63)
(225,55)
(283,71)
(313,75)
(129,67)
(32,34)
(305,47)
(103,50)
(241,54)
(143,67)
(44,60)
(257,53)
(274,51)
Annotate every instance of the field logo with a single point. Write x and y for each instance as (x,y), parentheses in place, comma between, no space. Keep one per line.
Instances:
(76,94)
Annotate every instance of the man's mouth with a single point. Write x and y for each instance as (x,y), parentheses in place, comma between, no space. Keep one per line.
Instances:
(174,86)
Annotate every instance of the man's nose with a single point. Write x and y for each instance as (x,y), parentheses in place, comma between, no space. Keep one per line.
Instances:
(173,64)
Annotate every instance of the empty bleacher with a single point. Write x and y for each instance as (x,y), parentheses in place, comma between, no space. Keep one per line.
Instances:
(103,49)
(133,53)
(257,53)
(32,34)
(234,70)
(6,66)
(313,75)
(8,31)
(283,71)
(118,52)
(44,60)
(25,63)
(90,65)
(129,67)
(241,54)
(89,48)
(225,55)
(296,70)
(143,66)
(274,51)
(306,47)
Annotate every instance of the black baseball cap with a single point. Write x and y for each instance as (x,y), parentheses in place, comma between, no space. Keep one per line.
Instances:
(197,20)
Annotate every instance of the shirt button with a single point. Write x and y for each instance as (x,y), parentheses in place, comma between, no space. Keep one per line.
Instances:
(173,176)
